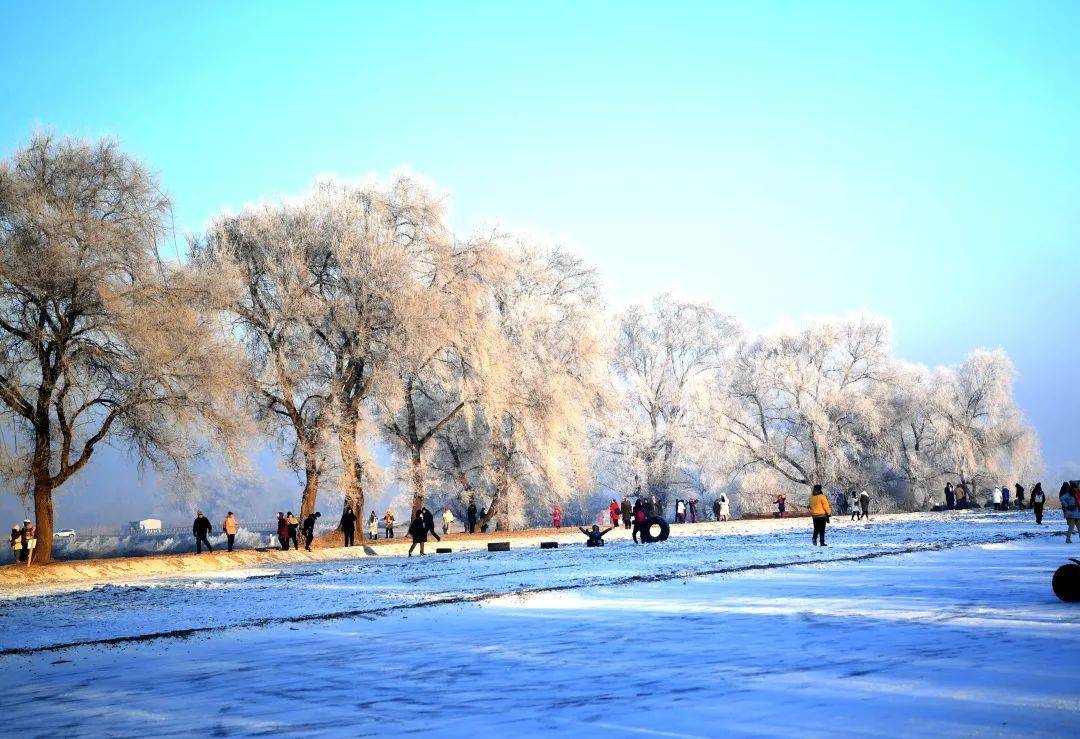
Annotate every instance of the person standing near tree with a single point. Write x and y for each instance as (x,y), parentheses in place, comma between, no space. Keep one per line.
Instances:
(309,529)
(725,509)
(995,497)
(856,509)
(230,527)
(470,516)
(820,511)
(294,525)
(1006,498)
(429,522)
(483,523)
(282,530)
(201,528)
(348,526)
(447,520)
(1038,499)
(693,510)
(388,524)
(627,511)
(864,504)
(950,496)
(373,527)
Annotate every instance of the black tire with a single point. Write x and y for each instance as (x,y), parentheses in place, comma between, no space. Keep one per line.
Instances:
(1066,583)
(646,534)
(549,545)
(499,546)
(442,550)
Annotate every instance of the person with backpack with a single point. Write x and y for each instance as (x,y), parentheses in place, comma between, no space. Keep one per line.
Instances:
(282,530)
(864,504)
(1070,508)
(627,511)
(373,526)
(309,529)
(470,515)
(201,528)
(820,512)
(1038,500)
(348,526)
(230,527)
(418,530)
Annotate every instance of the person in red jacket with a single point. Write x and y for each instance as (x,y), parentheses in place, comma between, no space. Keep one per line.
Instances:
(556,515)
(781,505)
(615,512)
(282,530)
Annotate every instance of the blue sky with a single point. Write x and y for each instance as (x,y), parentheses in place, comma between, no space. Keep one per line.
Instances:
(779,159)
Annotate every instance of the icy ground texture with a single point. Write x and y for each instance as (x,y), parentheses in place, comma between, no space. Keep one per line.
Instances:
(965,640)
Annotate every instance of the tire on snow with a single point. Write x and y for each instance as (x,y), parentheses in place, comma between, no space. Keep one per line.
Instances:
(646,534)
(1066,582)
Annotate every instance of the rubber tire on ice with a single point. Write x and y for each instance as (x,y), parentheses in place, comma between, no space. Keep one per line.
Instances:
(549,545)
(1066,583)
(442,550)
(498,546)
(646,535)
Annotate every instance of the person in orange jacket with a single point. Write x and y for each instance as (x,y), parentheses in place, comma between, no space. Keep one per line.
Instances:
(820,511)
(230,527)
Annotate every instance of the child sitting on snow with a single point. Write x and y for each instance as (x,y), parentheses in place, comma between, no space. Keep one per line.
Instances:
(596,536)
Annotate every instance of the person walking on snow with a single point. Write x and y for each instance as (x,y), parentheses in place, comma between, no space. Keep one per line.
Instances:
(418,530)
(556,516)
(864,504)
(201,528)
(373,526)
(1019,495)
(614,511)
(230,527)
(1038,499)
(995,498)
(447,520)
(429,522)
(1070,508)
(820,511)
(282,530)
(388,523)
(348,526)
(1006,498)
(294,526)
(309,529)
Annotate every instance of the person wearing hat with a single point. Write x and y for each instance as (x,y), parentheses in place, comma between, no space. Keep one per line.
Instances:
(820,511)
(201,528)
(230,526)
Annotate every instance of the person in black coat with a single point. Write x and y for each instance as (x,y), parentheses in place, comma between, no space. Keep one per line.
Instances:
(308,529)
(627,511)
(1019,495)
(201,528)
(1038,499)
(470,515)
(418,530)
(950,496)
(429,523)
(348,525)
(596,536)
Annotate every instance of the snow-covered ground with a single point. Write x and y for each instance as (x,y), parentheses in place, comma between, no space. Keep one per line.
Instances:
(959,635)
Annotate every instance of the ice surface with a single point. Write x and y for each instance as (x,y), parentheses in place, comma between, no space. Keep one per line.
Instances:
(961,640)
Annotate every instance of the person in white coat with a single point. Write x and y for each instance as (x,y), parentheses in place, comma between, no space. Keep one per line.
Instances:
(447,520)
(995,497)
(725,510)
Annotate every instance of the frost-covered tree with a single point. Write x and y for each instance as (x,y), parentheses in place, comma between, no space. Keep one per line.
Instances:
(803,403)
(526,443)
(102,341)
(666,360)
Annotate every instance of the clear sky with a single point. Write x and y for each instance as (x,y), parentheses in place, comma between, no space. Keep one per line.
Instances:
(921,160)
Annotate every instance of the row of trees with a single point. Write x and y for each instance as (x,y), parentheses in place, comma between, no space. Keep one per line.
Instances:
(351,319)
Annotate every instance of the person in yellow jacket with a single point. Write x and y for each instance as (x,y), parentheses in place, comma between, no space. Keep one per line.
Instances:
(820,510)
(230,526)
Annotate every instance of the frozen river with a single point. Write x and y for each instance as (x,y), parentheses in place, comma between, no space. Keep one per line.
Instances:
(929,624)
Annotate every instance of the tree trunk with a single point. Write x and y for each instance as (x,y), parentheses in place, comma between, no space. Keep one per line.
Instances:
(351,470)
(311,489)
(43,514)
(416,481)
